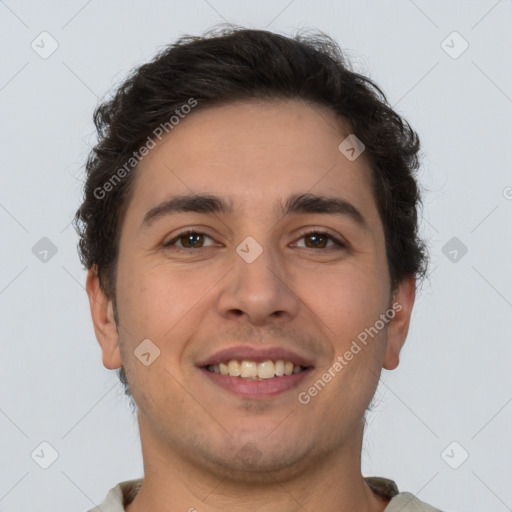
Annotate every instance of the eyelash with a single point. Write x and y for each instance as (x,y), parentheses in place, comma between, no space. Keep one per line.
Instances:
(340,245)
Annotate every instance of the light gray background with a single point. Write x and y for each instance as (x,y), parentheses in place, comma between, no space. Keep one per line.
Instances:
(454,382)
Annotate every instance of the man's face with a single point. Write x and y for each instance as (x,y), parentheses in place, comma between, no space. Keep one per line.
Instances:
(253,284)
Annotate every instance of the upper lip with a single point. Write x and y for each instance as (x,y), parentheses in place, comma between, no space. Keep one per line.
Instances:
(258,355)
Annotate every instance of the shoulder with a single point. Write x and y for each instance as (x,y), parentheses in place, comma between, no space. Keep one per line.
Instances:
(119,496)
(399,501)
(407,502)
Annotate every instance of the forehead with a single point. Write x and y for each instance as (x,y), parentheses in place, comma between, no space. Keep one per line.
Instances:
(253,154)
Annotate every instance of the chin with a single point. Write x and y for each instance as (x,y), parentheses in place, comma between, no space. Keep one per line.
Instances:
(256,461)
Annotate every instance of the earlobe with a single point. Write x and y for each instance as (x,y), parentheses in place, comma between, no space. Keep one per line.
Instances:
(105,327)
(398,328)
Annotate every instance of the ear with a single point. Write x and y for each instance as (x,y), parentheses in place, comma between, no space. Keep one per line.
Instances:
(102,313)
(398,327)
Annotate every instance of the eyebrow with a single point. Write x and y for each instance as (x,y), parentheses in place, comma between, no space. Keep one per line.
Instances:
(295,204)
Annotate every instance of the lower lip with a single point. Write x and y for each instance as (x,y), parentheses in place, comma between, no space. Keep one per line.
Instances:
(257,389)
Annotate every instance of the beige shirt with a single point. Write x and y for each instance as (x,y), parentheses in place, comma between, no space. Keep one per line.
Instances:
(124,493)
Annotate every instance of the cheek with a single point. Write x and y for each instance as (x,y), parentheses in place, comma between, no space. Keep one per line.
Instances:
(164,304)
(347,301)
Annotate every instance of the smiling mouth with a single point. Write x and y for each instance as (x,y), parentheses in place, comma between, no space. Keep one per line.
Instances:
(252,370)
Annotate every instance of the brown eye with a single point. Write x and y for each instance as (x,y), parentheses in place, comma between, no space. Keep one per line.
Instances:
(188,240)
(320,240)
(317,240)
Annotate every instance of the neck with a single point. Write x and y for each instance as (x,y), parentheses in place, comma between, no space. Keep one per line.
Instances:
(332,482)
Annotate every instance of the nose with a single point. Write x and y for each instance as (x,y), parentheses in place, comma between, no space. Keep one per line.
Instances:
(259,291)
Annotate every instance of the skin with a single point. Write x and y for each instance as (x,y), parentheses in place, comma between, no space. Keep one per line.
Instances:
(203,446)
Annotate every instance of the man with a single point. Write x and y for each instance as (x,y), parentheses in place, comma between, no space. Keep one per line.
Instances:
(249,228)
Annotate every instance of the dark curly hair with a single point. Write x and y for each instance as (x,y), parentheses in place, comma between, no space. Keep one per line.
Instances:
(225,65)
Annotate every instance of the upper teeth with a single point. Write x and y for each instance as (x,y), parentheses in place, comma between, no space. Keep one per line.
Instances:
(254,370)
